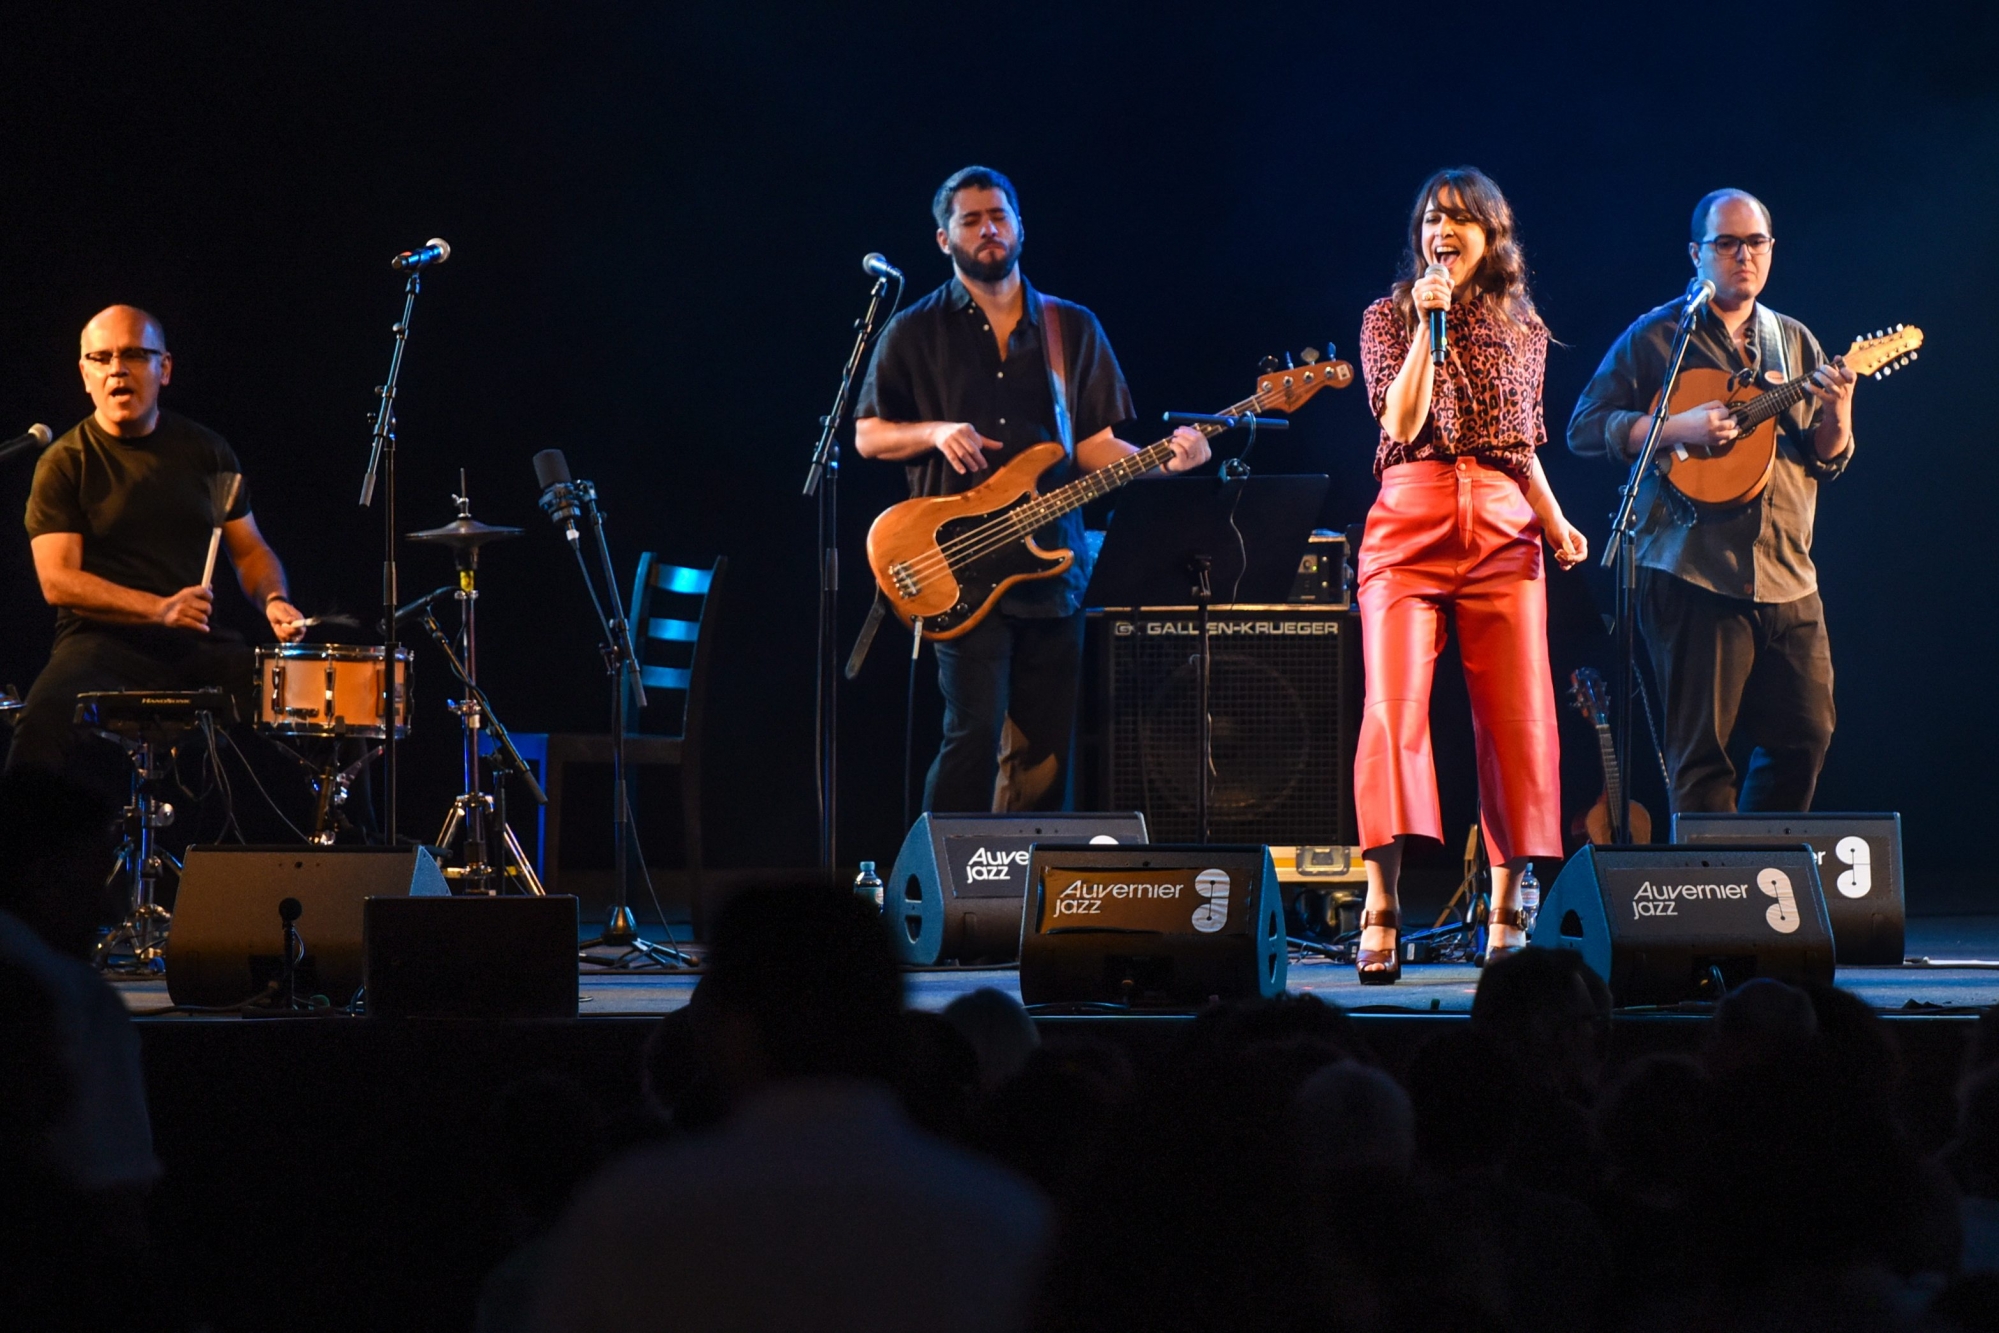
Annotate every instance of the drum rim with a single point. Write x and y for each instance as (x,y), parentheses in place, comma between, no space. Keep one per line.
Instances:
(326,652)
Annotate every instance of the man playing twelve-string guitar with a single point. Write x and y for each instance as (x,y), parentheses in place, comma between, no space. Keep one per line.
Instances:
(961,382)
(1727,594)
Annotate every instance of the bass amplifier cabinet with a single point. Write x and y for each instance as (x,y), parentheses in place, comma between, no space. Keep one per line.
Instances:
(1285,696)
(1860,866)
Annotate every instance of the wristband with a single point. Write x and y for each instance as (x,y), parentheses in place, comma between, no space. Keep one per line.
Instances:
(276,597)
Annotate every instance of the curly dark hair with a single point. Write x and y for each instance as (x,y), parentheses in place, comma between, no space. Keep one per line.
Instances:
(1502,275)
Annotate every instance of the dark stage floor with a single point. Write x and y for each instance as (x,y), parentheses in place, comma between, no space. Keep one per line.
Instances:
(1954,969)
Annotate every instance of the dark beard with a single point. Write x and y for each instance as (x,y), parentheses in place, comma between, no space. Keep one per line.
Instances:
(985,270)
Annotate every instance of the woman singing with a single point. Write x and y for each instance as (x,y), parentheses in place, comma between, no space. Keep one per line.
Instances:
(1457,529)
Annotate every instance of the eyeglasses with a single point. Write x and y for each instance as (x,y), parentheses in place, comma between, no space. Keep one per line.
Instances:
(1759,244)
(132,358)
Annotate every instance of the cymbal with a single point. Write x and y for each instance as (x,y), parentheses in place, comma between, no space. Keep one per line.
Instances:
(465,534)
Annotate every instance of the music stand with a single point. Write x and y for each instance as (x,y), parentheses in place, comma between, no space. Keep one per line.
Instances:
(1176,540)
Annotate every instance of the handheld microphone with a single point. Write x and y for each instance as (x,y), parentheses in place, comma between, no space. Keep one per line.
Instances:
(1439,344)
(558,490)
(36,436)
(434,251)
(875,266)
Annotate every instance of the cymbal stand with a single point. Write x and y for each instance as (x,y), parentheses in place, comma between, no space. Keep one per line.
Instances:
(474,811)
(141,938)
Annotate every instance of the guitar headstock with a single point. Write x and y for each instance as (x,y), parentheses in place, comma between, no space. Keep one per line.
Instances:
(1586,687)
(1884,353)
(1288,388)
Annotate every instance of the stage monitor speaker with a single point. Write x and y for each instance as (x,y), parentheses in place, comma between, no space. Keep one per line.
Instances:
(227,943)
(472,957)
(1160,926)
(1285,696)
(1657,922)
(959,881)
(1863,880)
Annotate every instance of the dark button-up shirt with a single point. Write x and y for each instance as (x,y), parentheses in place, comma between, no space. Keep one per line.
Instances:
(1760,551)
(938,361)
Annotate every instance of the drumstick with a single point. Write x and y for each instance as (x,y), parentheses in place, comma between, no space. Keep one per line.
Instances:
(222,516)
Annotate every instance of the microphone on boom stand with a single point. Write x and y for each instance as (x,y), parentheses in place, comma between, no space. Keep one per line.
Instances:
(36,437)
(559,498)
(433,251)
(875,266)
(1699,292)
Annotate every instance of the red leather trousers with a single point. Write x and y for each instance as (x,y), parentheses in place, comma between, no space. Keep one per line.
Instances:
(1457,537)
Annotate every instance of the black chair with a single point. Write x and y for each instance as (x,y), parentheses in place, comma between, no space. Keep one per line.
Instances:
(674,656)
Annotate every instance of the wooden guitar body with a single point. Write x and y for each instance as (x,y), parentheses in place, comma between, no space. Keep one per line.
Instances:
(907,549)
(1720,474)
(1597,822)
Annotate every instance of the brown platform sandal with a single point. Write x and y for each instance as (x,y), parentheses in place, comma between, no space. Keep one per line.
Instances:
(1515,918)
(1369,963)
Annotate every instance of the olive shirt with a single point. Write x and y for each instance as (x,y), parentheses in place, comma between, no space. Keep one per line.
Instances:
(1760,551)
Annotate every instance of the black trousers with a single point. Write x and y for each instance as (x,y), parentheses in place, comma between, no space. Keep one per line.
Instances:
(1009,690)
(1729,666)
(119,657)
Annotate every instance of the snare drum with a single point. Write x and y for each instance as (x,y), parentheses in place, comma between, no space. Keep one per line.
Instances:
(328,690)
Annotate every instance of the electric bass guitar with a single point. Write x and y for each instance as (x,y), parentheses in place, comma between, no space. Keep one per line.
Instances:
(1737,471)
(943,561)
(1586,688)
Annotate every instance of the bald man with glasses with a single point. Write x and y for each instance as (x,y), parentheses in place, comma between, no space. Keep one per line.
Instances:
(1728,597)
(119,521)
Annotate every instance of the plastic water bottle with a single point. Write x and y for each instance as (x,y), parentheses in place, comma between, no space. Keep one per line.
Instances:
(869,885)
(1530,896)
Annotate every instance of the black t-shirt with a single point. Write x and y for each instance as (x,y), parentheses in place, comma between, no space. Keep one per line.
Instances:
(938,361)
(145,506)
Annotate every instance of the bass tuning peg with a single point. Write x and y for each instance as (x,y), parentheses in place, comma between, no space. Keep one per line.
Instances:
(1310,356)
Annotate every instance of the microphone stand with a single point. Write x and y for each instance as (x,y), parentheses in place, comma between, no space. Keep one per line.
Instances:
(382,464)
(1621,552)
(621,664)
(822,482)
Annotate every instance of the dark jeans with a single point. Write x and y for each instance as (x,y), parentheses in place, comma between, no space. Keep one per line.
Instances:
(1011,680)
(119,657)
(1726,665)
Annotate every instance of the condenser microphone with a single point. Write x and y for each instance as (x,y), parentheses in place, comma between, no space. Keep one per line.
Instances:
(875,266)
(558,490)
(434,251)
(1438,344)
(36,436)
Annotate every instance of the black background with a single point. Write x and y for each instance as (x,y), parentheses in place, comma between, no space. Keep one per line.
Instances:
(657,213)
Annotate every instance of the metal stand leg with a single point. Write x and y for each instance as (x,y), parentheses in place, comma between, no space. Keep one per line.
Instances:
(138,944)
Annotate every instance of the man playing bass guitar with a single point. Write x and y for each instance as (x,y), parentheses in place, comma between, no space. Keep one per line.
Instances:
(1727,593)
(967,378)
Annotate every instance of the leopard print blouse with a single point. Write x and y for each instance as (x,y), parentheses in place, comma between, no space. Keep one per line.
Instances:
(1486,403)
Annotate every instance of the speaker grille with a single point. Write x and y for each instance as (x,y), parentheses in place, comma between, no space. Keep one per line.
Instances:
(1281,702)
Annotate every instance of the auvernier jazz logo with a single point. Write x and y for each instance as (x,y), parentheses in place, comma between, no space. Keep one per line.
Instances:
(1653,900)
(986,864)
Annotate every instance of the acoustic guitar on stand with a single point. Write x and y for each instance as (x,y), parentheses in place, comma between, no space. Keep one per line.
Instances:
(943,561)
(1736,472)
(1586,688)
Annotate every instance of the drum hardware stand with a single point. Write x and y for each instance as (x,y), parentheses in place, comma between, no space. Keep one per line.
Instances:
(1621,553)
(474,813)
(621,665)
(142,935)
(472,810)
(822,483)
(330,785)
